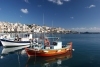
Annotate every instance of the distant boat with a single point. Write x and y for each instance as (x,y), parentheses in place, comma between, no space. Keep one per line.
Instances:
(54,49)
(45,61)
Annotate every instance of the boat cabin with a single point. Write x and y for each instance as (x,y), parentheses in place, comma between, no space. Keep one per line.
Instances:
(53,45)
(57,45)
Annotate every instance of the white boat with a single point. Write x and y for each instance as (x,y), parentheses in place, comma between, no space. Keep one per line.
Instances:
(22,42)
(8,43)
(8,37)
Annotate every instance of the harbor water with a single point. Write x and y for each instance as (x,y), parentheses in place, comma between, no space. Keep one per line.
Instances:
(86,54)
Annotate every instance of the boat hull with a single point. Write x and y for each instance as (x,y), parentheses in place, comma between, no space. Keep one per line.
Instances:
(50,60)
(7,43)
(48,52)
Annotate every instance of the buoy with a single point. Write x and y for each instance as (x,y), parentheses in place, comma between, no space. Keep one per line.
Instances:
(1,57)
(73,49)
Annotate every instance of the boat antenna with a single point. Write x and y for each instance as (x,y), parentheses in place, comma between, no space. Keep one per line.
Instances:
(52,31)
(43,29)
(43,19)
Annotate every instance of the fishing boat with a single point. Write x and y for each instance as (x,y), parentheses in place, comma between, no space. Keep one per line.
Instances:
(48,48)
(20,42)
(56,48)
(58,59)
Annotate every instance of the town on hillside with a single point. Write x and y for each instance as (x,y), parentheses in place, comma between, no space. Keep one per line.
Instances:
(7,27)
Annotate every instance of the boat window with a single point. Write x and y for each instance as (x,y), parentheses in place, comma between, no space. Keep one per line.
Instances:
(26,35)
(54,43)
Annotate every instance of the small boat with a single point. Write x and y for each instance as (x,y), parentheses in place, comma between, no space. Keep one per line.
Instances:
(54,49)
(36,61)
(21,42)
(8,43)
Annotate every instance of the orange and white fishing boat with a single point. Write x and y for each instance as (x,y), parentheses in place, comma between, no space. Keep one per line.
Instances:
(54,49)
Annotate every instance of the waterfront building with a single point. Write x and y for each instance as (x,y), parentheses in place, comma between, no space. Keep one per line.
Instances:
(18,27)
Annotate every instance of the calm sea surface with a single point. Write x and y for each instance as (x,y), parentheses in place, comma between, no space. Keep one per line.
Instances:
(86,54)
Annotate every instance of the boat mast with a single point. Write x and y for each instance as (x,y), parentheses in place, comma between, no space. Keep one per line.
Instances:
(43,23)
(43,19)
(52,31)
(43,26)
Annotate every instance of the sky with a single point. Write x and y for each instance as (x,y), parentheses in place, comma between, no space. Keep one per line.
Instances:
(77,15)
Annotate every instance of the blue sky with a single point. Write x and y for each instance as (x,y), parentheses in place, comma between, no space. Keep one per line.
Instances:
(79,15)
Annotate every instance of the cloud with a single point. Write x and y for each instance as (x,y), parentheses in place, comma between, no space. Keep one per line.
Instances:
(59,2)
(91,6)
(84,29)
(24,11)
(72,17)
(26,1)
(66,0)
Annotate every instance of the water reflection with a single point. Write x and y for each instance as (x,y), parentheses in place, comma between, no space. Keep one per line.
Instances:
(48,61)
(11,50)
